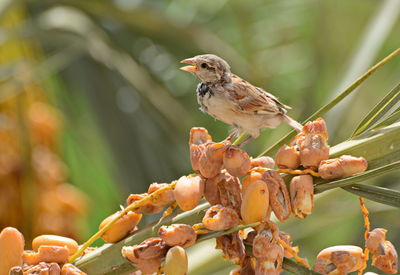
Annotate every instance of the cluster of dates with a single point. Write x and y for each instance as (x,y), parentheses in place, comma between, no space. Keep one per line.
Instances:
(147,256)
(220,165)
(343,259)
(310,150)
(172,240)
(49,255)
(55,199)
(240,190)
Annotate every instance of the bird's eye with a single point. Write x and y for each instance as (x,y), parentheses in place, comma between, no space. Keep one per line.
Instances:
(204,65)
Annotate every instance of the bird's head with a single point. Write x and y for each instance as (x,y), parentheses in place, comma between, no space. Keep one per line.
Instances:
(208,68)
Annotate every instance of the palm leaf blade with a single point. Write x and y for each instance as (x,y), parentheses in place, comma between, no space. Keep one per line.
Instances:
(376,193)
(379,110)
(394,117)
(323,110)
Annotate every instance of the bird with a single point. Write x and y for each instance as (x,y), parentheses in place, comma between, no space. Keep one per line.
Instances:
(231,99)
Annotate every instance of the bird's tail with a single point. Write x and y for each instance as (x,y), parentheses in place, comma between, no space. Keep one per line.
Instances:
(296,125)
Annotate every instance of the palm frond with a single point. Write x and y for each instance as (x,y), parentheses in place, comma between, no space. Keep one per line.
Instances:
(376,193)
(5,6)
(378,111)
(323,110)
(394,117)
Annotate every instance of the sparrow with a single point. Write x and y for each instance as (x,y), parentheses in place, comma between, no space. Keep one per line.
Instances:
(228,98)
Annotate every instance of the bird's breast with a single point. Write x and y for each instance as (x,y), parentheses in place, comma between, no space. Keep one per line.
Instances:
(215,104)
(203,89)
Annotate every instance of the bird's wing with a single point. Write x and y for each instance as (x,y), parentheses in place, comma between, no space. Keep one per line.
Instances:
(274,98)
(251,99)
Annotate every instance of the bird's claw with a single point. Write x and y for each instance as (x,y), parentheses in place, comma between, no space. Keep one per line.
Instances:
(230,137)
(244,142)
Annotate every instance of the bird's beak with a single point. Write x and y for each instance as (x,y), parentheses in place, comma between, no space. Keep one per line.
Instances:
(191,69)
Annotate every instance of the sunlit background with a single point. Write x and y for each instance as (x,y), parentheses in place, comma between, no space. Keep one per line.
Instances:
(93,106)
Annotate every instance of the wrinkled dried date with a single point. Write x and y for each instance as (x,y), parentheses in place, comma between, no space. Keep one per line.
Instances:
(147,208)
(147,255)
(287,157)
(165,198)
(45,269)
(341,167)
(236,161)
(232,246)
(386,259)
(178,234)
(375,238)
(46,253)
(146,266)
(198,137)
(211,191)
(314,147)
(211,159)
(219,217)
(271,263)
(230,192)
(279,198)
(150,248)
(302,195)
(264,161)
(267,236)
(341,259)
(384,255)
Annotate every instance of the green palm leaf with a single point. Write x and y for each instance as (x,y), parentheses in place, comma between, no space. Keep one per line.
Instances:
(376,193)
(378,111)
(323,110)
(394,117)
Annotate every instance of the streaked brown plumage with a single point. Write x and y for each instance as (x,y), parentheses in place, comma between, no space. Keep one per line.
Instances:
(233,100)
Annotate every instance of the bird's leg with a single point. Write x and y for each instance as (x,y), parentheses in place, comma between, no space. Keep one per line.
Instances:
(245,141)
(231,136)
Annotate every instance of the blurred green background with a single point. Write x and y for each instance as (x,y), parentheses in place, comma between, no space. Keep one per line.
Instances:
(111,69)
